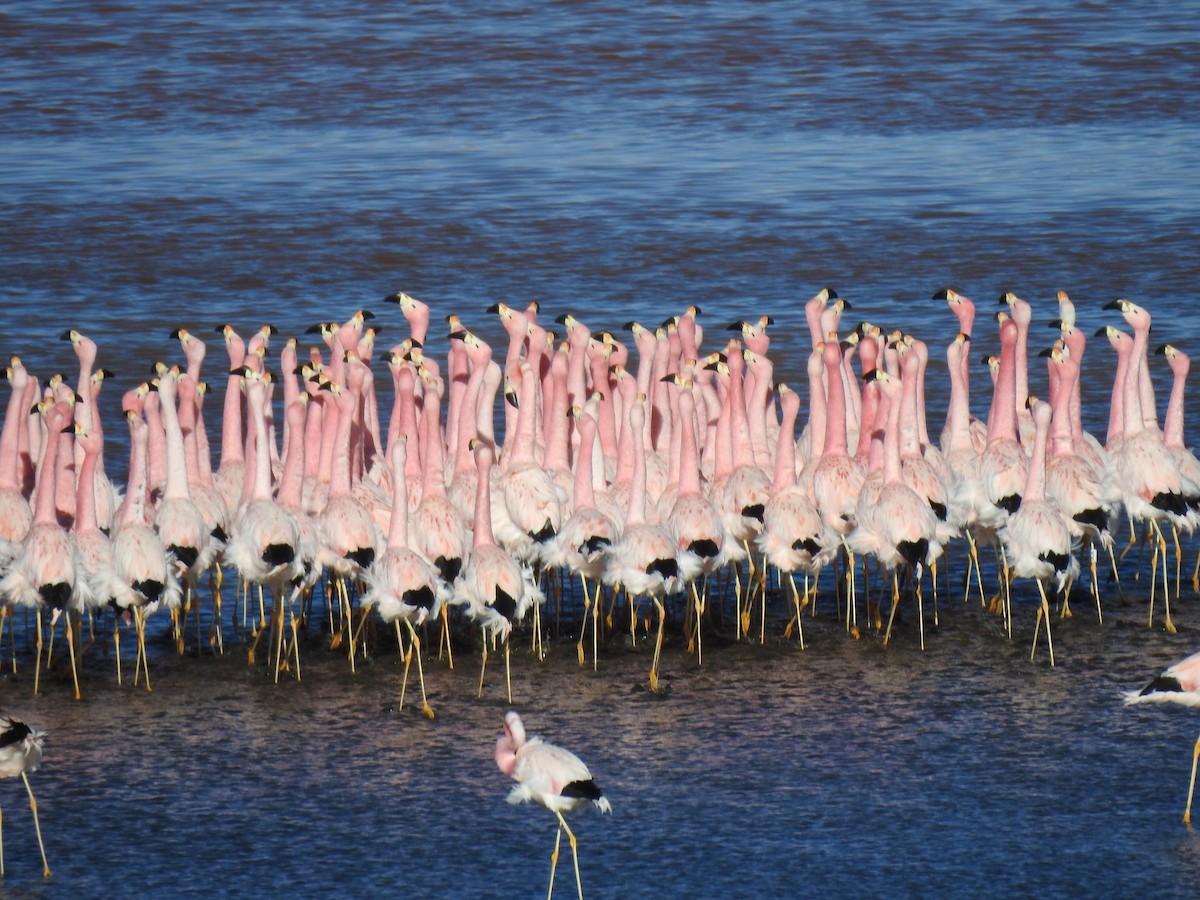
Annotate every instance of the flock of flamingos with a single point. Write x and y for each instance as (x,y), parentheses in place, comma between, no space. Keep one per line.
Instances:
(644,469)
(652,471)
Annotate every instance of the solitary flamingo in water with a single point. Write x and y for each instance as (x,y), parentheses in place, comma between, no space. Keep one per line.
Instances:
(555,778)
(20,753)
(1178,684)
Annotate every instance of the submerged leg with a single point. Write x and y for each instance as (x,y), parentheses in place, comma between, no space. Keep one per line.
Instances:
(37,827)
(1043,612)
(554,861)
(574,852)
(70,629)
(662,619)
(1187,811)
(507,668)
(414,646)
(482,669)
(587,608)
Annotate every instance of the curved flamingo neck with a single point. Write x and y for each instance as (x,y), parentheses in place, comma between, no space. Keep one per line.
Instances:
(398,524)
(1133,415)
(339,482)
(291,482)
(817,412)
(1060,422)
(1143,389)
(405,385)
(485,413)
(177,480)
(468,412)
(743,450)
(85,349)
(891,437)
(689,450)
(625,445)
(133,512)
(958,416)
(10,439)
(1002,423)
(156,461)
(636,514)
(607,421)
(483,497)
(256,400)
(785,447)
(85,493)
(757,410)
(584,491)
(1116,410)
(45,510)
(835,413)
(910,368)
(1035,481)
(231,422)
(558,429)
(723,458)
(433,461)
(868,427)
(188,399)
(1173,423)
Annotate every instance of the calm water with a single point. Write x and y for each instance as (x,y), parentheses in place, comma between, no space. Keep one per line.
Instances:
(196,165)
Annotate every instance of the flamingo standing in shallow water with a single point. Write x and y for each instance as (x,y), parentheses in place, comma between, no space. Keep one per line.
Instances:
(401,583)
(1036,538)
(497,590)
(44,572)
(1178,684)
(21,753)
(550,776)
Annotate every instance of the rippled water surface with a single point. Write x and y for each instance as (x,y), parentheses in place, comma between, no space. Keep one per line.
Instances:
(184,164)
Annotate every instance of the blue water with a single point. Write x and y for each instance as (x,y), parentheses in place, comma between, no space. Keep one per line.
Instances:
(171,165)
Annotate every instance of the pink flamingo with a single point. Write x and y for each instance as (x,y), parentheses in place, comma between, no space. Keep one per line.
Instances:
(645,561)
(438,532)
(1003,465)
(349,538)
(1189,466)
(532,507)
(230,473)
(44,573)
(899,527)
(178,520)
(793,536)
(1147,477)
(402,584)
(16,515)
(693,521)
(1036,539)
(96,574)
(1180,684)
(1071,482)
(583,541)
(496,589)
(478,393)
(265,544)
(144,568)
(837,478)
(554,778)
(20,754)
(87,413)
